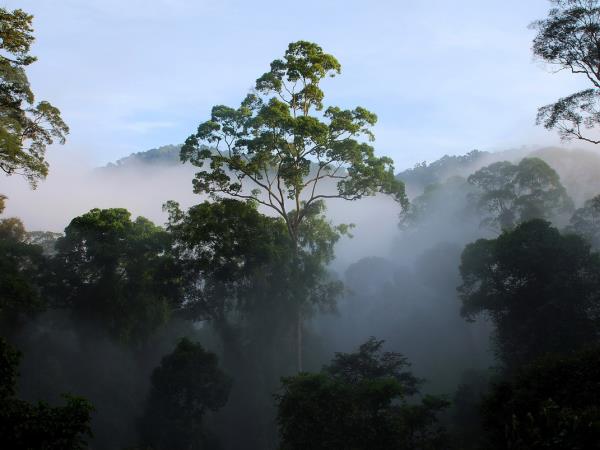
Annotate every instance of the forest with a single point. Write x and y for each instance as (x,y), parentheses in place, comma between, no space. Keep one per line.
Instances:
(258,317)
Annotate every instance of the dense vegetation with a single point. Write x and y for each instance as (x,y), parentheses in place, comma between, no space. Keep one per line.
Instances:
(229,327)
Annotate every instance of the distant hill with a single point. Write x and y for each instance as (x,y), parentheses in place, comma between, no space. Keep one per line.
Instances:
(424,174)
(167,155)
(579,169)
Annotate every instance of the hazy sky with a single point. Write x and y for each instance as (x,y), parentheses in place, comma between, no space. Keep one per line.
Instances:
(443,76)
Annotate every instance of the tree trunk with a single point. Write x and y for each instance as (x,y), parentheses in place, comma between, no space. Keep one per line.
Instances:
(299,338)
(299,300)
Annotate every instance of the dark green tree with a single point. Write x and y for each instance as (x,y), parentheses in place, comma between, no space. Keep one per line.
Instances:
(360,401)
(569,39)
(551,404)
(187,383)
(510,194)
(117,273)
(586,222)
(25,426)
(239,262)
(26,127)
(281,149)
(22,276)
(541,290)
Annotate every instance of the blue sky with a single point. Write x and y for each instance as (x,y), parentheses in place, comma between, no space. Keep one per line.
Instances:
(443,76)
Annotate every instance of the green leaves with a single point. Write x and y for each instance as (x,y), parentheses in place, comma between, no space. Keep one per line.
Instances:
(116,273)
(26,128)
(276,150)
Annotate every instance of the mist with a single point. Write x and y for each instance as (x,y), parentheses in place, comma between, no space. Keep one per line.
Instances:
(275,280)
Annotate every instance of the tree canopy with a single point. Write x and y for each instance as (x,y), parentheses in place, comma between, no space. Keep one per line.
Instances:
(26,127)
(540,288)
(282,145)
(116,273)
(510,194)
(358,402)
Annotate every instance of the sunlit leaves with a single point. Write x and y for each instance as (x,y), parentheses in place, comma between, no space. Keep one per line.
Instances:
(278,149)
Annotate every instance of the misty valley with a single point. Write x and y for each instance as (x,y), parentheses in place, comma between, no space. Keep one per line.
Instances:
(274,282)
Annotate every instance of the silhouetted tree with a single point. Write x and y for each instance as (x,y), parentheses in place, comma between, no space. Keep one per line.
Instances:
(358,402)
(25,426)
(541,290)
(187,383)
(551,404)
(569,38)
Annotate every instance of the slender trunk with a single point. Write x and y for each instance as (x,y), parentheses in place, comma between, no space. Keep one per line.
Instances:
(298,300)
(299,338)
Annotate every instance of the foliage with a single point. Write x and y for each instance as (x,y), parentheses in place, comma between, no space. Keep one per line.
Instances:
(275,143)
(238,262)
(26,128)
(22,276)
(586,222)
(552,404)
(541,290)
(569,39)
(358,402)
(117,273)
(186,384)
(510,194)
(26,426)
(224,246)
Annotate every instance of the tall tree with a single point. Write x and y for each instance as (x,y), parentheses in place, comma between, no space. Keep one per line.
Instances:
(509,194)
(541,289)
(281,149)
(569,39)
(26,127)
